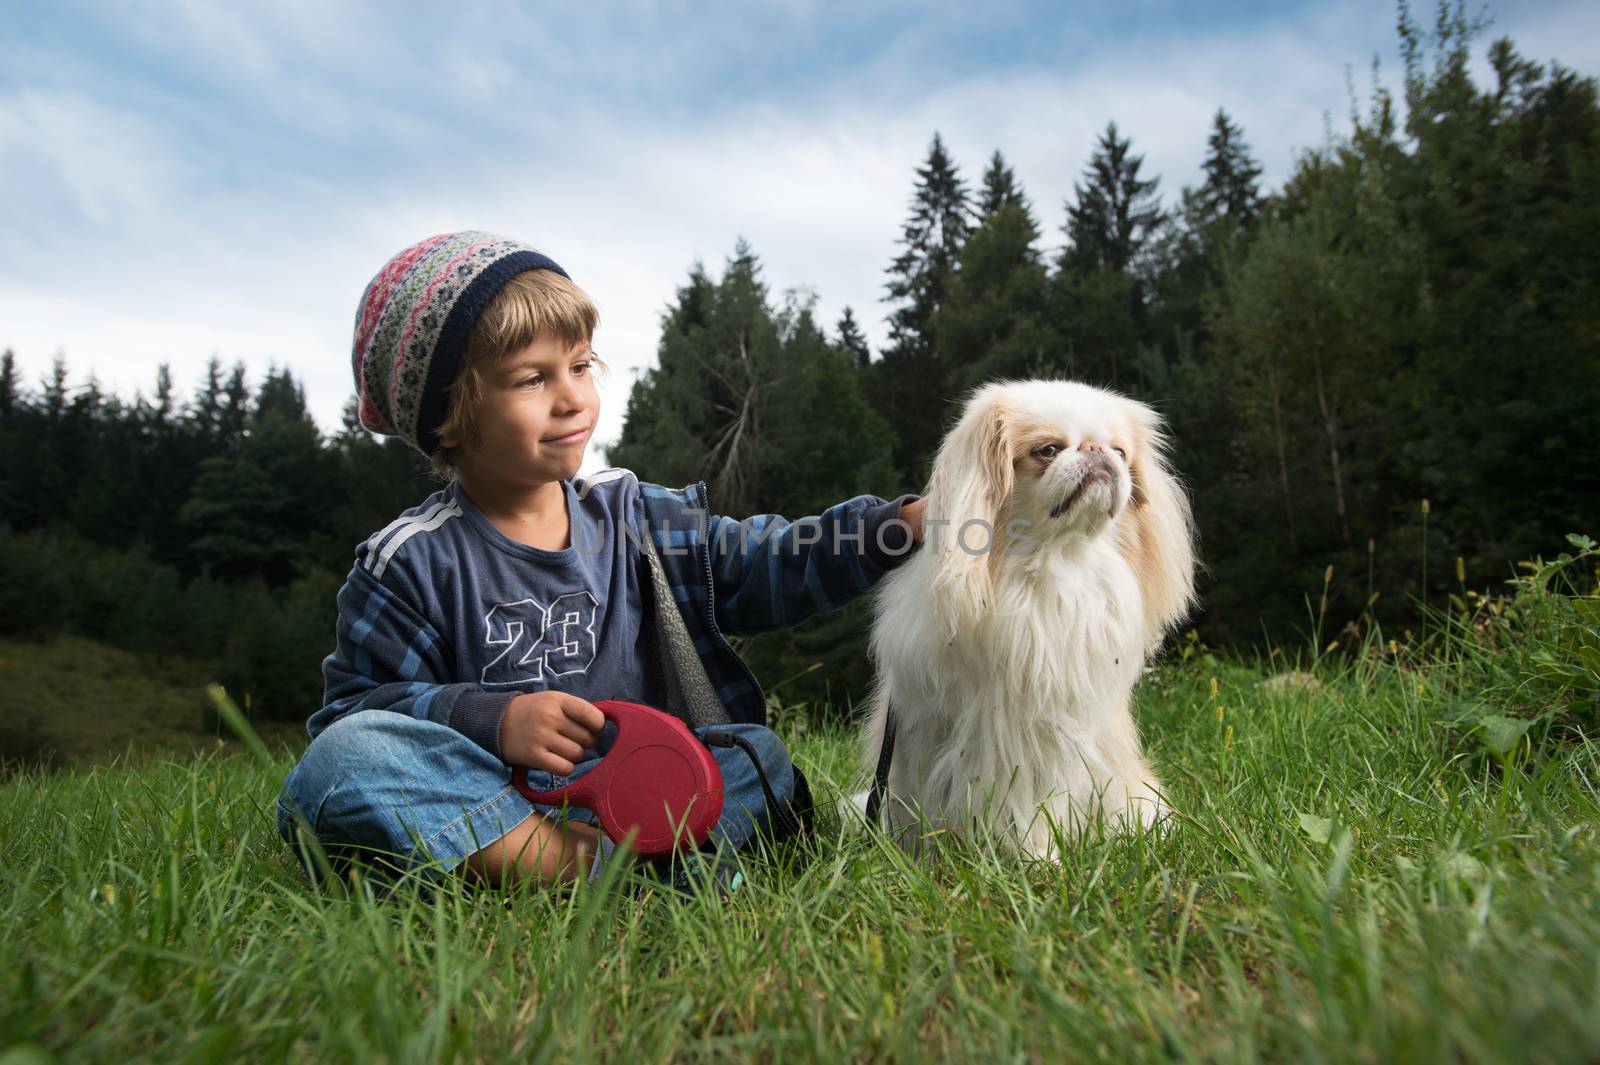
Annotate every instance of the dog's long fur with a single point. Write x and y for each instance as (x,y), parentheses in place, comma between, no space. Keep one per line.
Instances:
(1010,670)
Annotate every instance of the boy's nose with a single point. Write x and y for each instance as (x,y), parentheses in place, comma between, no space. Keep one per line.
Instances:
(570,396)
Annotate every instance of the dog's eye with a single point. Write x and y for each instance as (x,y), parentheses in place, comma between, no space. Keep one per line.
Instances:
(1047,451)
(1121,452)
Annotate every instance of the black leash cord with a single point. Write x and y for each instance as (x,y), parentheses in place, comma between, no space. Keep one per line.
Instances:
(880,776)
(780,809)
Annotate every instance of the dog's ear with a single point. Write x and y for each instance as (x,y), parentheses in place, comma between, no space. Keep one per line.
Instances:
(1140,497)
(1158,534)
(968,493)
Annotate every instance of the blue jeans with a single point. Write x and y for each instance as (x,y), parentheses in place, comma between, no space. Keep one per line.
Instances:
(408,791)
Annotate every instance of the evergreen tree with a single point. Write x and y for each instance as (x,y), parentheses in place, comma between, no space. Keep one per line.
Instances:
(755,400)
(751,399)
(378,477)
(1498,206)
(670,413)
(55,389)
(267,508)
(852,341)
(941,218)
(168,462)
(1000,188)
(161,410)
(702,412)
(1210,229)
(1099,295)
(8,385)
(204,416)
(1232,178)
(907,385)
(1116,211)
(996,322)
(234,415)
(280,394)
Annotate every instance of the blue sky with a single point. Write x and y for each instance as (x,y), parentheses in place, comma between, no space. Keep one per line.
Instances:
(185,179)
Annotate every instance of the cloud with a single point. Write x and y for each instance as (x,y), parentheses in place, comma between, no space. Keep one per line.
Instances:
(146,223)
(71,151)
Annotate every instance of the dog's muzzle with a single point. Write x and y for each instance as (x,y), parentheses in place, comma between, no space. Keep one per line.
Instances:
(1097,470)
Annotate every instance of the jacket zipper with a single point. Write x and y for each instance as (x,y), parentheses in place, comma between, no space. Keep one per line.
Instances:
(711,605)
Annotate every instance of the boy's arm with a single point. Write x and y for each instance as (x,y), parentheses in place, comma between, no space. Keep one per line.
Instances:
(387,657)
(770,573)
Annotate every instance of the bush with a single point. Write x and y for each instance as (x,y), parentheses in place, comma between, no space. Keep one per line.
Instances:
(276,643)
(24,741)
(127,599)
(1530,660)
(36,597)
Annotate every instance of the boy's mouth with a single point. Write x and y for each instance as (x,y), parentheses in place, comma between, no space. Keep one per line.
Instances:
(571,438)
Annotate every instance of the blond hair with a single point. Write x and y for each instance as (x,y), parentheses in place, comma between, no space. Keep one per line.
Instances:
(534,305)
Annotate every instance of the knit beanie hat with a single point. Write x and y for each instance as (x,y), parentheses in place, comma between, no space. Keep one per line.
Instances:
(413,322)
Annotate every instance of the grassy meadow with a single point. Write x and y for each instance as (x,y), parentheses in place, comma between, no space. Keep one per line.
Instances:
(1381,860)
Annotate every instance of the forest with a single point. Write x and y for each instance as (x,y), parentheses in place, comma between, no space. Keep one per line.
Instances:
(1381,379)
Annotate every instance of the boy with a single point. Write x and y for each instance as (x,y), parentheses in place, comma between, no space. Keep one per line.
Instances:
(476,630)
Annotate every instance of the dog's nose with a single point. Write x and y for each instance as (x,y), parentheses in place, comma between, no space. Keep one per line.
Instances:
(1090,445)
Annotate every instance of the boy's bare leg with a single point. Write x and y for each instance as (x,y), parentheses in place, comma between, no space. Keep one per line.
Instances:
(538,849)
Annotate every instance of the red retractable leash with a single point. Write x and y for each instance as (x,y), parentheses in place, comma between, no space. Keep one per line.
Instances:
(658,779)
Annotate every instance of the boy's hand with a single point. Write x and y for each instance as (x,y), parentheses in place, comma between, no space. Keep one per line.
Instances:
(911,514)
(549,730)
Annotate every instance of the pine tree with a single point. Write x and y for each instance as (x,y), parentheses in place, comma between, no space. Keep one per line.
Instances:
(1000,188)
(1232,186)
(8,384)
(86,405)
(376,476)
(1211,228)
(234,415)
(266,508)
(907,385)
(281,395)
(941,219)
(55,389)
(852,341)
(17,444)
(998,322)
(204,416)
(702,412)
(670,412)
(995,322)
(1116,211)
(741,396)
(1099,294)
(163,405)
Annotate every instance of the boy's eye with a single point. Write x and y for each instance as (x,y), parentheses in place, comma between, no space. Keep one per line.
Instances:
(580,368)
(535,379)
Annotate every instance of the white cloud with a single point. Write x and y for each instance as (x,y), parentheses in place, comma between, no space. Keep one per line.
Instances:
(124,255)
(95,161)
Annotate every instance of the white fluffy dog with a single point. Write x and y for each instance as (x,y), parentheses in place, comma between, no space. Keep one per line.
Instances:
(1057,552)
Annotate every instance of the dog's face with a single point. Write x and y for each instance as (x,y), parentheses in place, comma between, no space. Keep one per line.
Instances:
(1061,462)
(1073,451)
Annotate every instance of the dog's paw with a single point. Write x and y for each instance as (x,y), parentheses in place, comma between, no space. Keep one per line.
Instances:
(1161,819)
(1150,814)
(1042,842)
(851,811)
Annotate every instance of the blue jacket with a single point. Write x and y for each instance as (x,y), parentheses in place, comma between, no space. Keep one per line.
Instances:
(702,576)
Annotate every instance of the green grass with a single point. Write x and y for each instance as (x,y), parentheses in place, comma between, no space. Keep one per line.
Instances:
(1348,882)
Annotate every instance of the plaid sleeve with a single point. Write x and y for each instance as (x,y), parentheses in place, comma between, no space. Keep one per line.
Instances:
(769,573)
(387,657)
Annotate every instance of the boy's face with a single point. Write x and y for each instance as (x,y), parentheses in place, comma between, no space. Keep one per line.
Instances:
(539,409)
